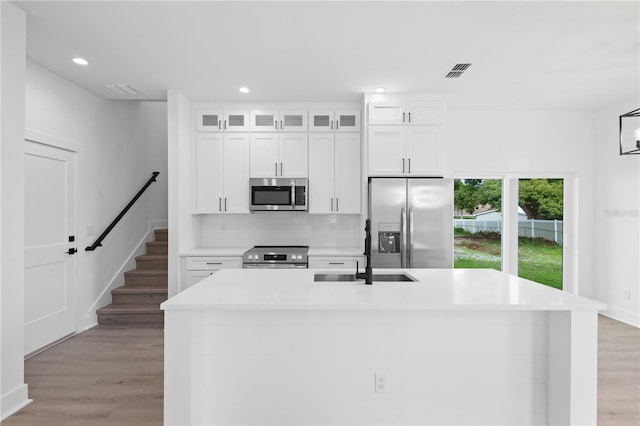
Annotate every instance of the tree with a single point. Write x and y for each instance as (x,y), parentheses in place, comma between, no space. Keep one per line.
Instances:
(541,198)
(470,193)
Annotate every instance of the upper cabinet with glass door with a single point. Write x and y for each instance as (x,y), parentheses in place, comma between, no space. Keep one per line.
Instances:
(339,120)
(217,120)
(409,112)
(278,121)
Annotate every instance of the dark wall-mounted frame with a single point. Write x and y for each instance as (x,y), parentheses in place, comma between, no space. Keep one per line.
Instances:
(629,123)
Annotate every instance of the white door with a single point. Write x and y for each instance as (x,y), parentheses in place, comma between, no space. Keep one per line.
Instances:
(264,155)
(321,173)
(294,160)
(347,173)
(387,151)
(208,173)
(50,271)
(386,112)
(424,151)
(236,173)
(321,120)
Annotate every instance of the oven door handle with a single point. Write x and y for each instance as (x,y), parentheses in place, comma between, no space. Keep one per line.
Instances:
(293,196)
(275,266)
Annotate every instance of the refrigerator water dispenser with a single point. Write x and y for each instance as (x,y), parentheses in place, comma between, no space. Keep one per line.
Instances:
(389,238)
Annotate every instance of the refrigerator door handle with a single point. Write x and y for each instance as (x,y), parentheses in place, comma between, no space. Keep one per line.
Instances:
(410,242)
(403,239)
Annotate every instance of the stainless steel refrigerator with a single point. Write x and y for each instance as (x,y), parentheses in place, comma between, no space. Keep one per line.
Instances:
(411,222)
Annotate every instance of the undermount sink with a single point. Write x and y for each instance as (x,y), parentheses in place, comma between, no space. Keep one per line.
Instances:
(352,278)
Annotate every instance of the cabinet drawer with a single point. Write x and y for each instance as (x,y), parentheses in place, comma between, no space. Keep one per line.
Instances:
(193,277)
(208,263)
(339,262)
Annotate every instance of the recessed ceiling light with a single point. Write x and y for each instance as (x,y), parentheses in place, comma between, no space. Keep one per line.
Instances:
(379,89)
(244,90)
(80,61)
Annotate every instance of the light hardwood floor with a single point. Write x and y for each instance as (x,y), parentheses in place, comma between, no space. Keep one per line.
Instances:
(113,375)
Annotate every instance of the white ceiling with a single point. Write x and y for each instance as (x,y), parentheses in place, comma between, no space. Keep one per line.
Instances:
(534,55)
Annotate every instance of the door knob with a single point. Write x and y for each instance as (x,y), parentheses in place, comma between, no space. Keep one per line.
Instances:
(72,250)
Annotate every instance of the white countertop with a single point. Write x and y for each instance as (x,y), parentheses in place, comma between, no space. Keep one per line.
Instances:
(239,251)
(436,289)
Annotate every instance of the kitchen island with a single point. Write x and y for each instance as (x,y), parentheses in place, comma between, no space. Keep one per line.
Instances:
(454,347)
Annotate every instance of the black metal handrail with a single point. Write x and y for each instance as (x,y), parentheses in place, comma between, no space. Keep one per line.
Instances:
(98,242)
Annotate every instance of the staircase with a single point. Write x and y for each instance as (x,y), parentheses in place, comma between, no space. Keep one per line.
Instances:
(138,300)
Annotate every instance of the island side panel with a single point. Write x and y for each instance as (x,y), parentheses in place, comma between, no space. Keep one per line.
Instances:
(573,367)
(178,349)
(252,366)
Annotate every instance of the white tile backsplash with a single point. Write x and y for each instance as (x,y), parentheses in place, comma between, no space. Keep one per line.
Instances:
(281,228)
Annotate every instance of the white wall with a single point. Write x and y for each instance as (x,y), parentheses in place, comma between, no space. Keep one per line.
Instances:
(13,389)
(118,144)
(616,226)
(528,143)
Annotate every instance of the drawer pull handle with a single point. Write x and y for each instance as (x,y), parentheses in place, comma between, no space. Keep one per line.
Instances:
(214,263)
(336,263)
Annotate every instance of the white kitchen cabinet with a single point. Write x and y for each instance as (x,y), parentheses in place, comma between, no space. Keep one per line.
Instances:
(334,173)
(222,173)
(337,262)
(340,120)
(274,120)
(406,151)
(279,155)
(200,267)
(217,120)
(409,112)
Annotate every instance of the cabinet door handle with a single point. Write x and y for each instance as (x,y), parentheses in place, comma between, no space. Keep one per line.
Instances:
(337,205)
(403,165)
(276,164)
(225,124)
(219,204)
(331,203)
(281,125)
(275,123)
(337,124)
(225,204)
(409,165)
(281,173)
(331,124)
(403,117)
(219,124)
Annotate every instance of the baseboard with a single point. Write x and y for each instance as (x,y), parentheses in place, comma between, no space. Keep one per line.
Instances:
(622,315)
(90,319)
(14,401)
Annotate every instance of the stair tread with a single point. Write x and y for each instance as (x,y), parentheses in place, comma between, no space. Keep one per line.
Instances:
(161,230)
(138,271)
(152,257)
(158,243)
(129,309)
(139,289)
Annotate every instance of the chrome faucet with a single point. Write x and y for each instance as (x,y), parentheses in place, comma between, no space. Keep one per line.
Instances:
(367,275)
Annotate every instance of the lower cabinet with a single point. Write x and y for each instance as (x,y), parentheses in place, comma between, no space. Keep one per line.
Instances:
(200,267)
(336,262)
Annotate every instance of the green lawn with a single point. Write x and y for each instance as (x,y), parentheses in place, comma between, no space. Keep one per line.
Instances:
(538,260)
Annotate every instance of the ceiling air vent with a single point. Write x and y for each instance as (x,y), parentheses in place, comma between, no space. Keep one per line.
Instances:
(457,70)
(122,89)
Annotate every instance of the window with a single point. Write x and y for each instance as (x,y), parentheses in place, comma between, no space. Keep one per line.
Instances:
(478,223)
(540,226)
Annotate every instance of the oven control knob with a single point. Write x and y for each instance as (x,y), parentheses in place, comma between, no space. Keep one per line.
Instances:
(299,257)
(250,257)
(293,257)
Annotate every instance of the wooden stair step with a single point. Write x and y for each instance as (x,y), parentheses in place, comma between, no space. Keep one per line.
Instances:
(157,247)
(152,261)
(161,234)
(152,296)
(146,278)
(129,314)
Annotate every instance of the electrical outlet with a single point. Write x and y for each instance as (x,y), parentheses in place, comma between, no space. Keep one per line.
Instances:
(627,294)
(381,382)
(89,232)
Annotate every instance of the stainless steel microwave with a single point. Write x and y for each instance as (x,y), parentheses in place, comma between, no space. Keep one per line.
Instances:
(278,194)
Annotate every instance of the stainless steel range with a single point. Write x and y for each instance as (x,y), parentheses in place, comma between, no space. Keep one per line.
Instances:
(276,257)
